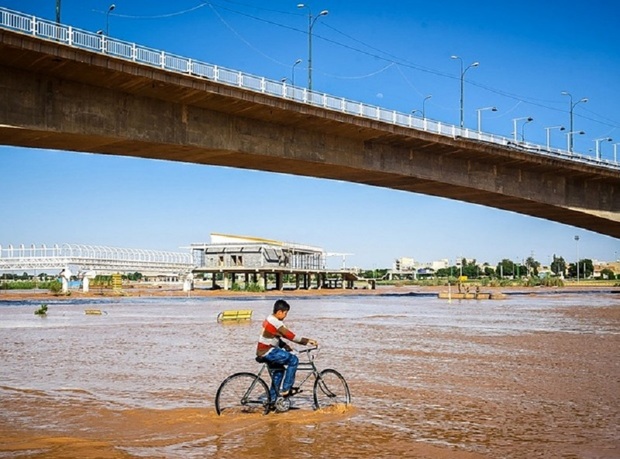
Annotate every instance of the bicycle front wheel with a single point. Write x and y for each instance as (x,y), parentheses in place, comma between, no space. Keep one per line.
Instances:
(330,389)
(242,393)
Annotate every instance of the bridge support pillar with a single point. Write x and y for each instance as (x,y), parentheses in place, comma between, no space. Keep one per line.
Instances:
(279,281)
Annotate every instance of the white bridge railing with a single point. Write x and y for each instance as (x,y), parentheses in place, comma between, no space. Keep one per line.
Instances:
(95,42)
(92,257)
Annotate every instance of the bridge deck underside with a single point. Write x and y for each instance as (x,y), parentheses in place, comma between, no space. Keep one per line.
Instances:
(74,100)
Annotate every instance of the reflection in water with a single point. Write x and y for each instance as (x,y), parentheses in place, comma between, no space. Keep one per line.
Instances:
(533,376)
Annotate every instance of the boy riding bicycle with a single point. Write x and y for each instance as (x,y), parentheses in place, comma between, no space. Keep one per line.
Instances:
(276,353)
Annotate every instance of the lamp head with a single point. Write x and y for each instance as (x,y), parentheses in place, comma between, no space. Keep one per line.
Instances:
(112,6)
(530,119)
(475,64)
(324,13)
(301,5)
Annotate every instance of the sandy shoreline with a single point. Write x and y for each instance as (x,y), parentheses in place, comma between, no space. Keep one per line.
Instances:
(177,292)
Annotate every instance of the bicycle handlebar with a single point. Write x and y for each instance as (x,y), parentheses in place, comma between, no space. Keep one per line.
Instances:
(309,349)
(310,355)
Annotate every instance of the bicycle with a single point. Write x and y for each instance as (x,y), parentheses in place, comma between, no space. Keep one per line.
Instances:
(249,393)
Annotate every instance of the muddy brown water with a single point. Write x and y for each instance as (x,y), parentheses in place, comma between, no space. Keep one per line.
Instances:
(531,376)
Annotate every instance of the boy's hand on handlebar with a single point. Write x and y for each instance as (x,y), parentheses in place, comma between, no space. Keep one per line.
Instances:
(313,342)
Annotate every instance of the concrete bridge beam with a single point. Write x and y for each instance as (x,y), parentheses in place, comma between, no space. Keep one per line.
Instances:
(70,99)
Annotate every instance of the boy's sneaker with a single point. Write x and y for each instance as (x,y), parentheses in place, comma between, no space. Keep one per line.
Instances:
(291,391)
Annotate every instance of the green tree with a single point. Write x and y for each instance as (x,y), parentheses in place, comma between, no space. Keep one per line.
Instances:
(558,265)
(471,269)
(586,269)
(506,268)
(607,274)
(532,266)
(55,286)
(133,276)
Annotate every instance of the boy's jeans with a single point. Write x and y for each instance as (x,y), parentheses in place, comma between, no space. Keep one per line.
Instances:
(275,359)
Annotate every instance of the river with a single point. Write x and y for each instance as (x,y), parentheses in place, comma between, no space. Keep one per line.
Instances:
(529,376)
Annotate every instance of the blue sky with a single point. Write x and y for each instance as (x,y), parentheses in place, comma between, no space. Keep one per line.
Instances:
(388,53)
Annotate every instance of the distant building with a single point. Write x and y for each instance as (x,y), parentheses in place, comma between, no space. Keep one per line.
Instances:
(404,264)
(613,266)
(257,260)
(408,268)
(230,251)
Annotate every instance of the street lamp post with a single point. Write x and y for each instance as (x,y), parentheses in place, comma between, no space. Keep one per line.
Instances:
(297,62)
(311,21)
(424,105)
(577,247)
(570,127)
(473,64)
(528,119)
(616,152)
(493,109)
(569,137)
(548,129)
(107,20)
(597,142)
(57,11)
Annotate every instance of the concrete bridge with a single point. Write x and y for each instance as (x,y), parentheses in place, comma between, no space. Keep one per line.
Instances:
(62,88)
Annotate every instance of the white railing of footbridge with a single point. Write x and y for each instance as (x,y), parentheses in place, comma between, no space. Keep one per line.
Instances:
(91,257)
(103,44)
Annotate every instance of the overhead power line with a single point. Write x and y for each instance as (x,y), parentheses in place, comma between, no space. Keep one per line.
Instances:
(375,53)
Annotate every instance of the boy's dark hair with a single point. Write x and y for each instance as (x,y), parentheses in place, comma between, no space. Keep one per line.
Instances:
(281,305)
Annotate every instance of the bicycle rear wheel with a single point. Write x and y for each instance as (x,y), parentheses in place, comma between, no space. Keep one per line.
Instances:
(330,389)
(242,393)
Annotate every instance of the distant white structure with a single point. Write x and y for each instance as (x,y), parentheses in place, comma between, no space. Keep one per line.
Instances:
(86,277)
(65,277)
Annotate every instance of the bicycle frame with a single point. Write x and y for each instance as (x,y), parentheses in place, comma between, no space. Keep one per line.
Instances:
(329,387)
(306,366)
(244,399)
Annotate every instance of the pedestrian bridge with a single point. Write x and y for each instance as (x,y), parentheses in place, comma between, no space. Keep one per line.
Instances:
(87,258)
(74,90)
